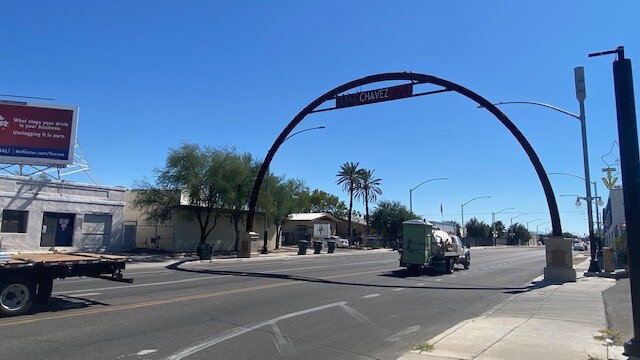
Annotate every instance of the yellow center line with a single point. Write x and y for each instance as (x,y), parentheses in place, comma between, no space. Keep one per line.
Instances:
(173,300)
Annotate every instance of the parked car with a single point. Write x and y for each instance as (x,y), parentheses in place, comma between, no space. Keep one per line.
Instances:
(579,245)
(340,242)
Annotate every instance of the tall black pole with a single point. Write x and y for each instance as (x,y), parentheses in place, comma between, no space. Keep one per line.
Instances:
(629,161)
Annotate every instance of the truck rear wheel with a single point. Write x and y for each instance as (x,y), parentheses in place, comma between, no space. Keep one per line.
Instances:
(16,296)
(450,266)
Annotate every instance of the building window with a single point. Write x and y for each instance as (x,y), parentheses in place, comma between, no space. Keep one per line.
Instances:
(14,221)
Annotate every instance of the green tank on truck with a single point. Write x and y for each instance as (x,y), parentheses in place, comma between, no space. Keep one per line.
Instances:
(424,246)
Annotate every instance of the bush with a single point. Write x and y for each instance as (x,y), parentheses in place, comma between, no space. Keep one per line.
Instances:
(621,251)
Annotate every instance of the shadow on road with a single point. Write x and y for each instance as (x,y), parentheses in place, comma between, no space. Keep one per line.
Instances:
(329,280)
(64,303)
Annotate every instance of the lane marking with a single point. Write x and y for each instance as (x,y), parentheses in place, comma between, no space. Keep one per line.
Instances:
(177,299)
(398,289)
(370,296)
(210,277)
(87,294)
(245,329)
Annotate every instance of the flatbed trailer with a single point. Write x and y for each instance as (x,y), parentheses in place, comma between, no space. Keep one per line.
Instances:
(26,278)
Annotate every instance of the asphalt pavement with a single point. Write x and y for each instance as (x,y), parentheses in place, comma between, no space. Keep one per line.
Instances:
(348,305)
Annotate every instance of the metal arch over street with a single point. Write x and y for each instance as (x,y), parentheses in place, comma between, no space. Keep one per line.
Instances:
(418,79)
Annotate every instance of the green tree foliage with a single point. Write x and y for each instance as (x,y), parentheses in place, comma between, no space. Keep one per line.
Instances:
(368,189)
(520,233)
(477,228)
(621,250)
(387,218)
(500,229)
(348,178)
(285,197)
(321,201)
(195,174)
(239,172)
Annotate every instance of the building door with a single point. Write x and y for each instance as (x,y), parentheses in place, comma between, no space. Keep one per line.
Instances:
(129,235)
(57,229)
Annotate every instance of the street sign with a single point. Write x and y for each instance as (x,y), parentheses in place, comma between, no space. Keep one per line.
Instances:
(581,91)
(374,96)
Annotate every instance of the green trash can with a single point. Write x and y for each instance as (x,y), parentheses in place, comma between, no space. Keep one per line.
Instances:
(205,251)
(317,247)
(331,246)
(302,247)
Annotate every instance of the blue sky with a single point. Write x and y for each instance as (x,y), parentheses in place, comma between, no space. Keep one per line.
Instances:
(149,75)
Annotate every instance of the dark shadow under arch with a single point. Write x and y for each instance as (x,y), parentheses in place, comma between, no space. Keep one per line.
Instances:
(420,79)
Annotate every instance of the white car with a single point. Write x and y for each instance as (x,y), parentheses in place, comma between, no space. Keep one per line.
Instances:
(340,242)
(579,246)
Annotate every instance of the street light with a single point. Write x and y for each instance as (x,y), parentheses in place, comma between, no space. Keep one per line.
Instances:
(581,95)
(462,212)
(493,224)
(411,191)
(598,203)
(266,217)
(537,232)
(531,222)
(512,223)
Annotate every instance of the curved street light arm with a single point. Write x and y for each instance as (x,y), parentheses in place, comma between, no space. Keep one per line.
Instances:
(577,117)
(301,131)
(475,198)
(426,181)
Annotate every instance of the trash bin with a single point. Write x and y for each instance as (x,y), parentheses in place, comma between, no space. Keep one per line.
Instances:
(317,247)
(331,246)
(205,251)
(302,247)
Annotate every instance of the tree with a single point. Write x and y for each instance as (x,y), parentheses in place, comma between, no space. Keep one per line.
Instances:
(321,201)
(520,233)
(499,228)
(191,175)
(239,172)
(477,228)
(368,189)
(285,200)
(348,178)
(388,216)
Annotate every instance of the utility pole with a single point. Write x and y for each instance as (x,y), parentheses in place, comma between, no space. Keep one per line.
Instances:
(629,154)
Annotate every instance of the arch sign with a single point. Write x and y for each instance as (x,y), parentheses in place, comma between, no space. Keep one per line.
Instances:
(343,100)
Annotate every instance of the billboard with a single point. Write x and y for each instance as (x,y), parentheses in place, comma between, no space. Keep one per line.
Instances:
(37,134)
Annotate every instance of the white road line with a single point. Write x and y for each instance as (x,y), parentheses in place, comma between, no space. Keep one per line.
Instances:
(87,294)
(245,329)
(420,284)
(212,277)
(398,289)
(370,296)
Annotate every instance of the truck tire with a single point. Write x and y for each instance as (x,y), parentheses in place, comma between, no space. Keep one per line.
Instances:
(43,294)
(450,266)
(16,296)
(467,262)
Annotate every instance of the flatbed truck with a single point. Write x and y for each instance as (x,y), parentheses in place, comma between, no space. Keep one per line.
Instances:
(27,278)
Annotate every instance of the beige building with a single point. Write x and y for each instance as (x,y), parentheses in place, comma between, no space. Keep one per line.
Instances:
(182,232)
(301,225)
(45,214)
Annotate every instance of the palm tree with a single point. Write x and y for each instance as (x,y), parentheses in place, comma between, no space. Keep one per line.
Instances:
(348,178)
(368,189)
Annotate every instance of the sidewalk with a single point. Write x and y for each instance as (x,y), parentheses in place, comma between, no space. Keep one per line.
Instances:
(544,322)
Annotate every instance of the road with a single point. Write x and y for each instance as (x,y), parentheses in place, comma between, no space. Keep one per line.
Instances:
(350,305)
